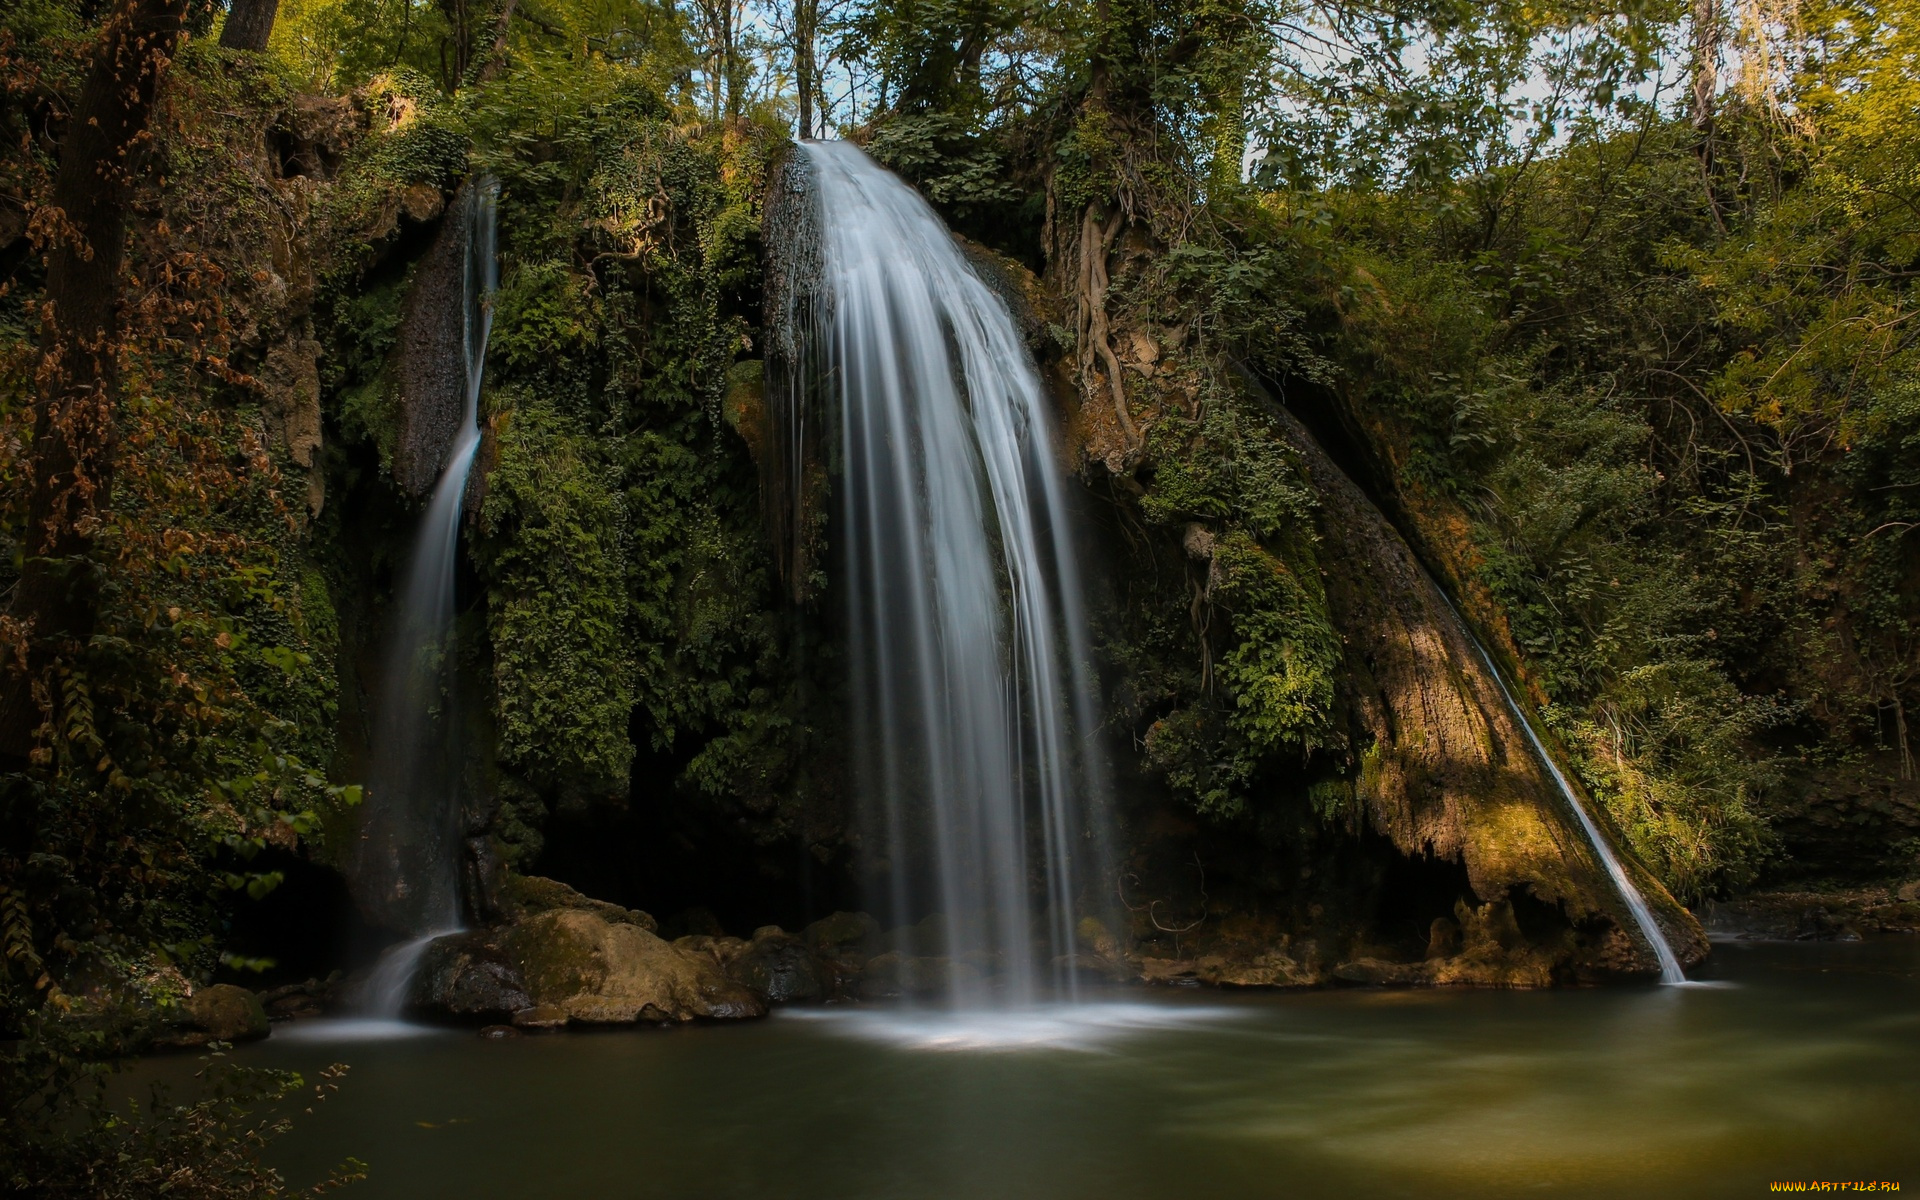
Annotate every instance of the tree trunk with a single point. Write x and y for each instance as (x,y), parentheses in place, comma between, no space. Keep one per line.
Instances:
(497,53)
(249,24)
(806,18)
(730,57)
(57,598)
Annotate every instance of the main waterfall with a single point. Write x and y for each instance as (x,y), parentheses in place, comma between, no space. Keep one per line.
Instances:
(974,717)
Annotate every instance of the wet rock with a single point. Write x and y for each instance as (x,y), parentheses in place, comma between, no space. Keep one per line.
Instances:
(1100,955)
(226,1012)
(431,368)
(843,942)
(779,968)
(496,1032)
(605,973)
(293,1001)
(541,1018)
(484,880)
(466,977)
(745,406)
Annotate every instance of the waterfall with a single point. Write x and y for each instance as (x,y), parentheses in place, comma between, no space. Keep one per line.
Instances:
(412,838)
(974,718)
(1670,970)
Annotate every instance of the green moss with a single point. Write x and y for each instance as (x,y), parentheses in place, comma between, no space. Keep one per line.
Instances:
(1281,669)
(1267,692)
(563,671)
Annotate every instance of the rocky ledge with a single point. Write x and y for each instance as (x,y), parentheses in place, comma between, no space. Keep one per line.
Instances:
(1804,916)
(557,958)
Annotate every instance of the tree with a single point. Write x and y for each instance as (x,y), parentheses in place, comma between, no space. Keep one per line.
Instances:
(720,24)
(249,24)
(803,37)
(56,602)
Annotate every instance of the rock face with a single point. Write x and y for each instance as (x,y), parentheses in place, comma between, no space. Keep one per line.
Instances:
(1817,916)
(1271,969)
(1450,772)
(432,364)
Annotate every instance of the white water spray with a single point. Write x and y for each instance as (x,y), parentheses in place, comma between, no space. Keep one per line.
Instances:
(974,711)
(412,848)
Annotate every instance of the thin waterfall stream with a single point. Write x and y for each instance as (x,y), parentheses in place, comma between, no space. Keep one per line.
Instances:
(413,835)
(974,714)
(1670,969)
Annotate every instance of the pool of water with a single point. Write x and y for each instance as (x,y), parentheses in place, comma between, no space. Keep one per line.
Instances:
(1804,1064)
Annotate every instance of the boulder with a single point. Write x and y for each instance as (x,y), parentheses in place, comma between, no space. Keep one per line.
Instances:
(466,977)
(600,972)
(566,959)
(226,1012)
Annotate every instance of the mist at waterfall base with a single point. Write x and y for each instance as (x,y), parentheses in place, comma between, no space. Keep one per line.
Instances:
(410,852)
(982,788)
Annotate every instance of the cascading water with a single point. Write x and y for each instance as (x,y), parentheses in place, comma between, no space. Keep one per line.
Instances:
(974,714)
(1670,970)
(411,848)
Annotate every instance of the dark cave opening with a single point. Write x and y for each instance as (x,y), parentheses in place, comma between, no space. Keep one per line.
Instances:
(687,862)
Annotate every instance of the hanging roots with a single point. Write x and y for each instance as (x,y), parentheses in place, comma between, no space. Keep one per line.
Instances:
(1096,241)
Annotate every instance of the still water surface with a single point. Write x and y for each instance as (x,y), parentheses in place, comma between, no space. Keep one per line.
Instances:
(1805,1064)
